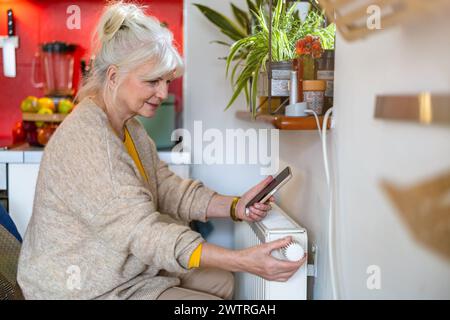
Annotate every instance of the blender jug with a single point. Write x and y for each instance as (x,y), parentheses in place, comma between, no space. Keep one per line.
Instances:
(57,65)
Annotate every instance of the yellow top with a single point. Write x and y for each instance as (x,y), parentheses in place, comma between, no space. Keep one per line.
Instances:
(194,260)
(129,144)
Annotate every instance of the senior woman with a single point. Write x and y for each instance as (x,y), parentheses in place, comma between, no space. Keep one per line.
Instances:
(106,210)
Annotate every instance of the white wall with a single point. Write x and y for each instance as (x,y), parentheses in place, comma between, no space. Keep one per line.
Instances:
(400,60)
(408,59)
(206,93)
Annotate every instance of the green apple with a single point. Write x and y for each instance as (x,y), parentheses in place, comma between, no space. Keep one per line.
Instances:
(43,111)
(29,104)
(65,106)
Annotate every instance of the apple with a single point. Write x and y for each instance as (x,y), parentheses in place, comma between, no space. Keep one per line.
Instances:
(43,111)
(18,132)
(29,104)
(65,106)
(18,135)
(44,134)
(29,126)
(32,138)
(18,124)
(47,103)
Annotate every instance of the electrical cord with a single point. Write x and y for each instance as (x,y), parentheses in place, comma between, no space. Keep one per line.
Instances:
(331,219)
(331,226)
(317,120)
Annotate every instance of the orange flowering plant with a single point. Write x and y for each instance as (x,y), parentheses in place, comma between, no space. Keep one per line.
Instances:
(309,45)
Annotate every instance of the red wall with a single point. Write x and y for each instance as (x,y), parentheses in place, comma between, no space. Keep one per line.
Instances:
(43,21)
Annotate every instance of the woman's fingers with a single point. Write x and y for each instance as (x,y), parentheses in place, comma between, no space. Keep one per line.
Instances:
(263,206)
(258,213)
(254,217)
(283,271)
(286,269)
(277,244)
(262,262)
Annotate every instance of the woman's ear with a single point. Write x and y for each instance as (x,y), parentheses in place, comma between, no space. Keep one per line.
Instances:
(111,76)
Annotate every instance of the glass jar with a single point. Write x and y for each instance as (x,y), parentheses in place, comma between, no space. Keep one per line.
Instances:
(325,71)
(304,66)
(308,67)
(314,94)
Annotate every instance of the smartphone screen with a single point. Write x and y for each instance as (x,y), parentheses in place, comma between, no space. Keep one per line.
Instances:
(282,177)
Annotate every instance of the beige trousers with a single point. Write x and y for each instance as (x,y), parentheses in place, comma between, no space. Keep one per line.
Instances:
(202,284)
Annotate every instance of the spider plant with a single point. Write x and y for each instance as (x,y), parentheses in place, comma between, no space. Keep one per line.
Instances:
(287,28)
(244,25)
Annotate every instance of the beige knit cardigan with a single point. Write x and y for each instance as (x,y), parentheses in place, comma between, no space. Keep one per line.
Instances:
(98,229)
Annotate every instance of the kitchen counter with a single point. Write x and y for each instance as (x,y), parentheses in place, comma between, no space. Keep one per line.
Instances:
(25,153)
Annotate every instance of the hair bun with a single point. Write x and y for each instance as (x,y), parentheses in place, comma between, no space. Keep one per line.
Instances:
(114,18)
(127,38)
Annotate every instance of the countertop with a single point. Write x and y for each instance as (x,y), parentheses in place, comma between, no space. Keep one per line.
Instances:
(24,153)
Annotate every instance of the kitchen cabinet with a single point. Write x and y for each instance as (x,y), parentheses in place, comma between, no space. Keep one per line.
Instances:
(21,186)
(3,192)
(2,176)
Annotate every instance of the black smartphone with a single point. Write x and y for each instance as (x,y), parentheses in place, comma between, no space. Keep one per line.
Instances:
(272,187)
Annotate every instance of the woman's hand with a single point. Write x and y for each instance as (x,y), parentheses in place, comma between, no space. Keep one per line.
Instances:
(257,211)
(258,260)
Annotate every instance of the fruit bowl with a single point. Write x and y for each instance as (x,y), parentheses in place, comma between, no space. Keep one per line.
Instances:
(55,117)
(45,109)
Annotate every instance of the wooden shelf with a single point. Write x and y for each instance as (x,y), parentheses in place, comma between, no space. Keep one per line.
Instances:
(283,122)
(56,117)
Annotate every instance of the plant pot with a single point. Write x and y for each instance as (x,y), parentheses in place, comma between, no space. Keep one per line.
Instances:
(305,68)
(281,75)
(308,67)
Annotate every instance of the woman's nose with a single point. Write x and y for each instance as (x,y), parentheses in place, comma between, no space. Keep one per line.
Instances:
(163,91)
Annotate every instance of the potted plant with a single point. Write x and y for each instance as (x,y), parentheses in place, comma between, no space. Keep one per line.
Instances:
(308,49)
(249,53)
(243,27)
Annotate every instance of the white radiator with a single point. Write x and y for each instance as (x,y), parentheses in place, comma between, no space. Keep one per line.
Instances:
(276,225)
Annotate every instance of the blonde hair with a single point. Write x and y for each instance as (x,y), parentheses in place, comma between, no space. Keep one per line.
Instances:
(127,38)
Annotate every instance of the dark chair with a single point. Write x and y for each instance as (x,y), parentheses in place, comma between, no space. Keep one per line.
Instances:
(8,223)
(9,257)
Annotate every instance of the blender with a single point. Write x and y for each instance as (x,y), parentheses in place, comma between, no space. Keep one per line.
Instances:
(56,60)
(54,66)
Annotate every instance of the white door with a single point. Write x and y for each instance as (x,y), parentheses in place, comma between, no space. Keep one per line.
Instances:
(21,186)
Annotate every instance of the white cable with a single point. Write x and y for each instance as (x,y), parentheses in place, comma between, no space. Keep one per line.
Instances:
(324,145)
(331,254)
(317,120)
(331,226)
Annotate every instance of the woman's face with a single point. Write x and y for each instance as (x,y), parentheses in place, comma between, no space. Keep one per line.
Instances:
(142,95)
